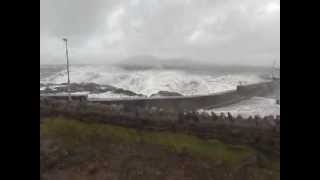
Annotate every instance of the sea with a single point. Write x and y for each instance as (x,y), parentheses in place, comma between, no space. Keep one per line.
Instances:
(183,80)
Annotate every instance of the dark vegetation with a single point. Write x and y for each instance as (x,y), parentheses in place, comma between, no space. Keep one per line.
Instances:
(81,140)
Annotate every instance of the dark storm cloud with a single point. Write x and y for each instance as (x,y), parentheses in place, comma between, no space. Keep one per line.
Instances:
(217,31)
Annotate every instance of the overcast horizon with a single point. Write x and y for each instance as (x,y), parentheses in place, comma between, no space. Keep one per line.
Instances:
(244,32)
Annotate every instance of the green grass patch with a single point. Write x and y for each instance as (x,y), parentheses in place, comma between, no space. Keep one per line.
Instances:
(75,133)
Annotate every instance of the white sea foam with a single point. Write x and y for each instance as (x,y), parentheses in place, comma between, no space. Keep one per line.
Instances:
(251,107)
(151,81)
(109,95)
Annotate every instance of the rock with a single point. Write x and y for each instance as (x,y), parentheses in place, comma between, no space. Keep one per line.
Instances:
(247,162)
(218,163)
(92,168)
(83,87)
(165,93)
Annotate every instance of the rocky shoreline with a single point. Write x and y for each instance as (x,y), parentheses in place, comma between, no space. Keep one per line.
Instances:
(93,88)
(84,87)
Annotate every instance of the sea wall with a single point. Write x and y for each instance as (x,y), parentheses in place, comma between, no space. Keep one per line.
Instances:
(185,103)
(258,89)
(177,103)
(195,102)
(73,97)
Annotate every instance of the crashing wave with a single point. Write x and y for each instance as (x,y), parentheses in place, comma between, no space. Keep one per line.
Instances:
(151,81)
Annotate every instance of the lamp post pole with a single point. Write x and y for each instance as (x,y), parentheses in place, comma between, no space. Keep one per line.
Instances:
(67,56)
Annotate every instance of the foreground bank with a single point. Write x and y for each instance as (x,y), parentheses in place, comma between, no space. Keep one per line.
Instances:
(73,149)
(260,132)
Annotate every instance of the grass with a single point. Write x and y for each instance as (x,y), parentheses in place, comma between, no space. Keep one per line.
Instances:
(75,134)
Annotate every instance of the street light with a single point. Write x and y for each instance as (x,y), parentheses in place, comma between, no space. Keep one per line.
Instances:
(67,56)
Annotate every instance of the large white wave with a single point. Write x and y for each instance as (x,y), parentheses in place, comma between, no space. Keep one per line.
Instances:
(151,81)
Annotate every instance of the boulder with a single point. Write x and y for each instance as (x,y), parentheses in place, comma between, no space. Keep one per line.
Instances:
(165,93)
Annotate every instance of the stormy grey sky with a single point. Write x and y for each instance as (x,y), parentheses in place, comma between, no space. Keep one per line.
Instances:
(214,31)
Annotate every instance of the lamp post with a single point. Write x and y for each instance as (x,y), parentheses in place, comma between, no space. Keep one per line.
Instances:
(67,56)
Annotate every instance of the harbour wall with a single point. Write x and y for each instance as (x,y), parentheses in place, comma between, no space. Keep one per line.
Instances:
(259,89)
(183,103)
(177,103)
(186,103)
